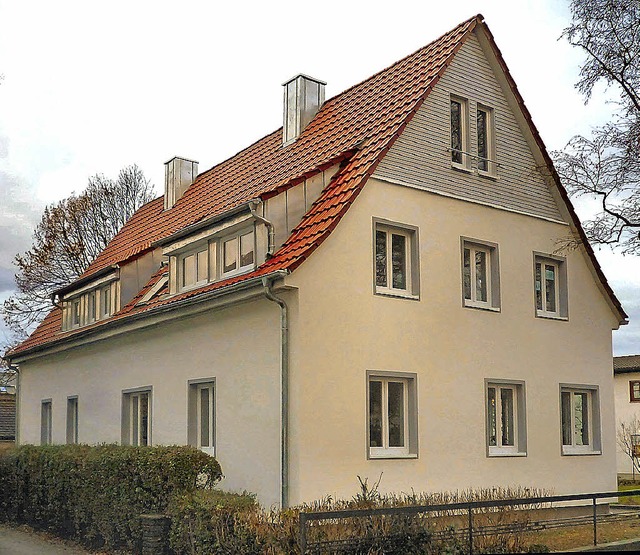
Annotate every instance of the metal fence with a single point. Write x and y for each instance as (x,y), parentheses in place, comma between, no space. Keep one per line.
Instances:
(465,509)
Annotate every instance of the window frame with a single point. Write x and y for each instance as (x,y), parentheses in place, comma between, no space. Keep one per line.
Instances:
(632,397)
(194,387)
(412,259)
(561,287)
(46,421)
(490,159)
(519,447)
(180,260)
(594,447)
(410,414)
(127,420)
(72,419)
(493,302)
(238,236)
(464,132)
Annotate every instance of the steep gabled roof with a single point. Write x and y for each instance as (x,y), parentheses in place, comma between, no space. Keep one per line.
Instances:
(355,129)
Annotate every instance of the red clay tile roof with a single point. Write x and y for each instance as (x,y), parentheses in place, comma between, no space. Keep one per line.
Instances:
(629,363)
(355,128)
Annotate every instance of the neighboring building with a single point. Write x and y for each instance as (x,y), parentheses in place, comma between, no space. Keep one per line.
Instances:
(7,412)
(626,372)
(375,288)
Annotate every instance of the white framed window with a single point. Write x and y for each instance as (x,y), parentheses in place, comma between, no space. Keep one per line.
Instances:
(485,135)
(459,132)
(105,301)
(237,254)
(580,420)
(45,422)
(75,313)
(391,415)
(72,419)
(194,267)
(506,418)
(395,260)
(136,417)
(201,427)
(480,274)
(550,279)
(91,307)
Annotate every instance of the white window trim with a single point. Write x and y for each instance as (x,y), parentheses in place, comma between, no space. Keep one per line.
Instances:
(492,163)
(410,449)
(593,415)
(211,450)
(493,302)
(72,419)
(180,261)
(410,233)
(464,130)
(559,265)
(519,448)
(127,415)
(240,269)
(46,421)
(193,413)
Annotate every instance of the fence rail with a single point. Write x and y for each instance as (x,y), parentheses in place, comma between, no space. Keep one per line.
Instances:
(462,508)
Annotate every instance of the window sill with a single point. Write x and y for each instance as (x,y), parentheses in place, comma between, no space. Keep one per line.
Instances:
(503,455)
(548,316)
(461,168)
(234,273)
(578,452)
(487,175)
(397,294)
(392,456)
(478,306)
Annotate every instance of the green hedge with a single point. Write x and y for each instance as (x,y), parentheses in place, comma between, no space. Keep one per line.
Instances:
(97,494)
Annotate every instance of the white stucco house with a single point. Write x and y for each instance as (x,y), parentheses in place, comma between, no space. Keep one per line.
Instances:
(626,378)
(375,287)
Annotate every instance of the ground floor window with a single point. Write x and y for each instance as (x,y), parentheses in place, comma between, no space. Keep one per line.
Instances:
(392,415)
(45,422)
(505,410)
(136,417)
(201,427)
(580,415)
(72,420)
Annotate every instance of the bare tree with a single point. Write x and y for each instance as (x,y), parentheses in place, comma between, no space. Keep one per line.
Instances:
(624,435)
(606,165)
(68,238)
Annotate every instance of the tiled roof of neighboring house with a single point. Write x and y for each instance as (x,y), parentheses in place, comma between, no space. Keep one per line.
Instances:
(355,129)
(629,363)
(7,416)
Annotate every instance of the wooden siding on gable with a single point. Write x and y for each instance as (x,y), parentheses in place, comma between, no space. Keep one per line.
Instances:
(420,157)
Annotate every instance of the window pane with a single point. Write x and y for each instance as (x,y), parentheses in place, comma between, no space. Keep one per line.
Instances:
(144,419)
(507,417)
(398,261)
(92,306)
(188,270)
(246,250)
(396,414)
(230,255)
(205,417)
(381,258)
(635,391)
(538,286)
(76,313)
(550,287)
(456,132)
(375,414)
(134,420)
(481,276)
(566,418)
(581,419)
(482,140)
(466,274)
(491,412)
(105,295)
(203,269)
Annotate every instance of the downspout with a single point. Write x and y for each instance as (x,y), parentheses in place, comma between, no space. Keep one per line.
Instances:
(284,385)
(271,241)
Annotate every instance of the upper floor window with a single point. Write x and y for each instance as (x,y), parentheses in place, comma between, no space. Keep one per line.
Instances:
(480,274)
(459,109)
(486,140)
(550,286)
(93,303)
(238,254)
(395,260)
(634,391)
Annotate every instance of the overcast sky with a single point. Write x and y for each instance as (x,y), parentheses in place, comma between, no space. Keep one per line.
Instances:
(90,87)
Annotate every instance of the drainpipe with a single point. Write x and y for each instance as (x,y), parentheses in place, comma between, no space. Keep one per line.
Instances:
(270,229)
(284,405)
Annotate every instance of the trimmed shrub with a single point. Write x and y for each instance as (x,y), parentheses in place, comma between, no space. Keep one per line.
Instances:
(97,494)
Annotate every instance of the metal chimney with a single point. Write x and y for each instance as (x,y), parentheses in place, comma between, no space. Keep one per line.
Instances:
(179,173)
(303,97)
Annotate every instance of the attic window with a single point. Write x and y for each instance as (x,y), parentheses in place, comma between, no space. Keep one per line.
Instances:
(89,305)
(459,110)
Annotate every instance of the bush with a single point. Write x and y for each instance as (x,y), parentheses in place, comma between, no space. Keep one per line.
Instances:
(97,494)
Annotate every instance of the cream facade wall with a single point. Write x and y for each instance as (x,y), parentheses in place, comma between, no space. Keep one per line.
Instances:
(239,347)
(626,412)
(451,349)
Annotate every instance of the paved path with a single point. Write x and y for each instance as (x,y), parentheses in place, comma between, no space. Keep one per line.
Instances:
(18,541)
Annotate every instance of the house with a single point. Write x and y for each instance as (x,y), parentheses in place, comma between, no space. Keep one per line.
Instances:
(374,288)
(7,410)
(626,378)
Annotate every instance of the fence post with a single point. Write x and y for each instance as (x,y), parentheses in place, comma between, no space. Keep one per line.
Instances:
(303,532)
(155,534)
(595,532)
(470,530)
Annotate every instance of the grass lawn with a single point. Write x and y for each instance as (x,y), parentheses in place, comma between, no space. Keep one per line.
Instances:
(632,500)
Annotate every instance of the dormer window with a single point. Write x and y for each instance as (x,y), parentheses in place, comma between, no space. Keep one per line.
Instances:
(238,254)
(90,303)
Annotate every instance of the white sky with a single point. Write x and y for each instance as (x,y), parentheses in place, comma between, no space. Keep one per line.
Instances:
(91,87)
